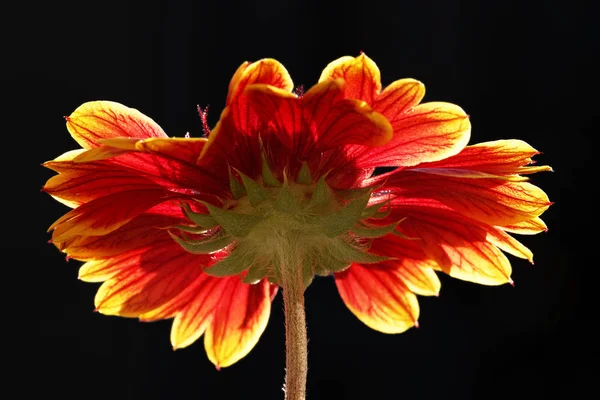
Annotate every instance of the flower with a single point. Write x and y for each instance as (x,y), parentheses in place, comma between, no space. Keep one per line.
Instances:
(204,230)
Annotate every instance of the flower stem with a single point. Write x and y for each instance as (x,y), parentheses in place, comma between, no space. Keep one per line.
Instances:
(296,358)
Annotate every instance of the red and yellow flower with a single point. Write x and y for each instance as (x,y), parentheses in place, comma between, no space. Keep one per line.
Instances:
(200,230)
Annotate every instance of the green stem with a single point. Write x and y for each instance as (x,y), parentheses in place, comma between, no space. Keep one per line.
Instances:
(296,357)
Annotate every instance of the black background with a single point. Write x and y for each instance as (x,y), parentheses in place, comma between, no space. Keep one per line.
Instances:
(520,71)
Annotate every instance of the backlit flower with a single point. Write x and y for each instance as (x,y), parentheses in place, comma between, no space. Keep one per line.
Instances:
(199,229)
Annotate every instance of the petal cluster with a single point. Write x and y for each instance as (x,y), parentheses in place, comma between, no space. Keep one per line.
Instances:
(139,198)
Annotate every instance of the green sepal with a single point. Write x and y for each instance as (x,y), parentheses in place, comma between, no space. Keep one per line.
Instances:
(373,211)
(203,246)
(308,274)
(256,193)
(321,195)
(382,214)
(365,231)
(256,272)
(328,265)
(345,252)
(236,224)
(274,275)
(190,229)
(340,221)
(286,202)
(304,177)
(236,262)
(202,220)
(272,278)
(308,270)
(237,189)
(268,177)
(403,236)
(351,194)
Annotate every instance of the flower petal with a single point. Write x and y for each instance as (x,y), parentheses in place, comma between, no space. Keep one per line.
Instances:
(428,132)
(97,120)
(493,201)
(378,297)
(69,155)
(234,140)
(267,71)
(193,309)
(340,168)
(459,245)
(467,173)
(529,227)
(500,157)
(283,112)
(103,269)
(101,152)
(347,122)
(507,243)
(185,149)
(106,214)
(239,319)
(139,232)
(154,163)
(319,120)
(413,266)
(398,98)
(362,77)
(85,182)
(148,279)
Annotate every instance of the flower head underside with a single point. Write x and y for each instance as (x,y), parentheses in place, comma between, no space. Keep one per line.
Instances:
(198,229)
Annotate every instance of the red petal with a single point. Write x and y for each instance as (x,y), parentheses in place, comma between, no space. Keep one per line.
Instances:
(500,157)
(231,147)
(191,322)
(101,152)
(509,244)
(103,269)
(192,309)
(148,279)
(378,297)
(239,319)
(234,141)
(319,120)
(187,150)
(412,265)
(97,120)
(398,98)
(85,182)
(106,214)
(343,174)
(529,227)
(343,122)
(139,232)
(182,176)
(361,75)
(191,319)
(493,201)
(429,132)
(267,71)
(456,243)
(156,163)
